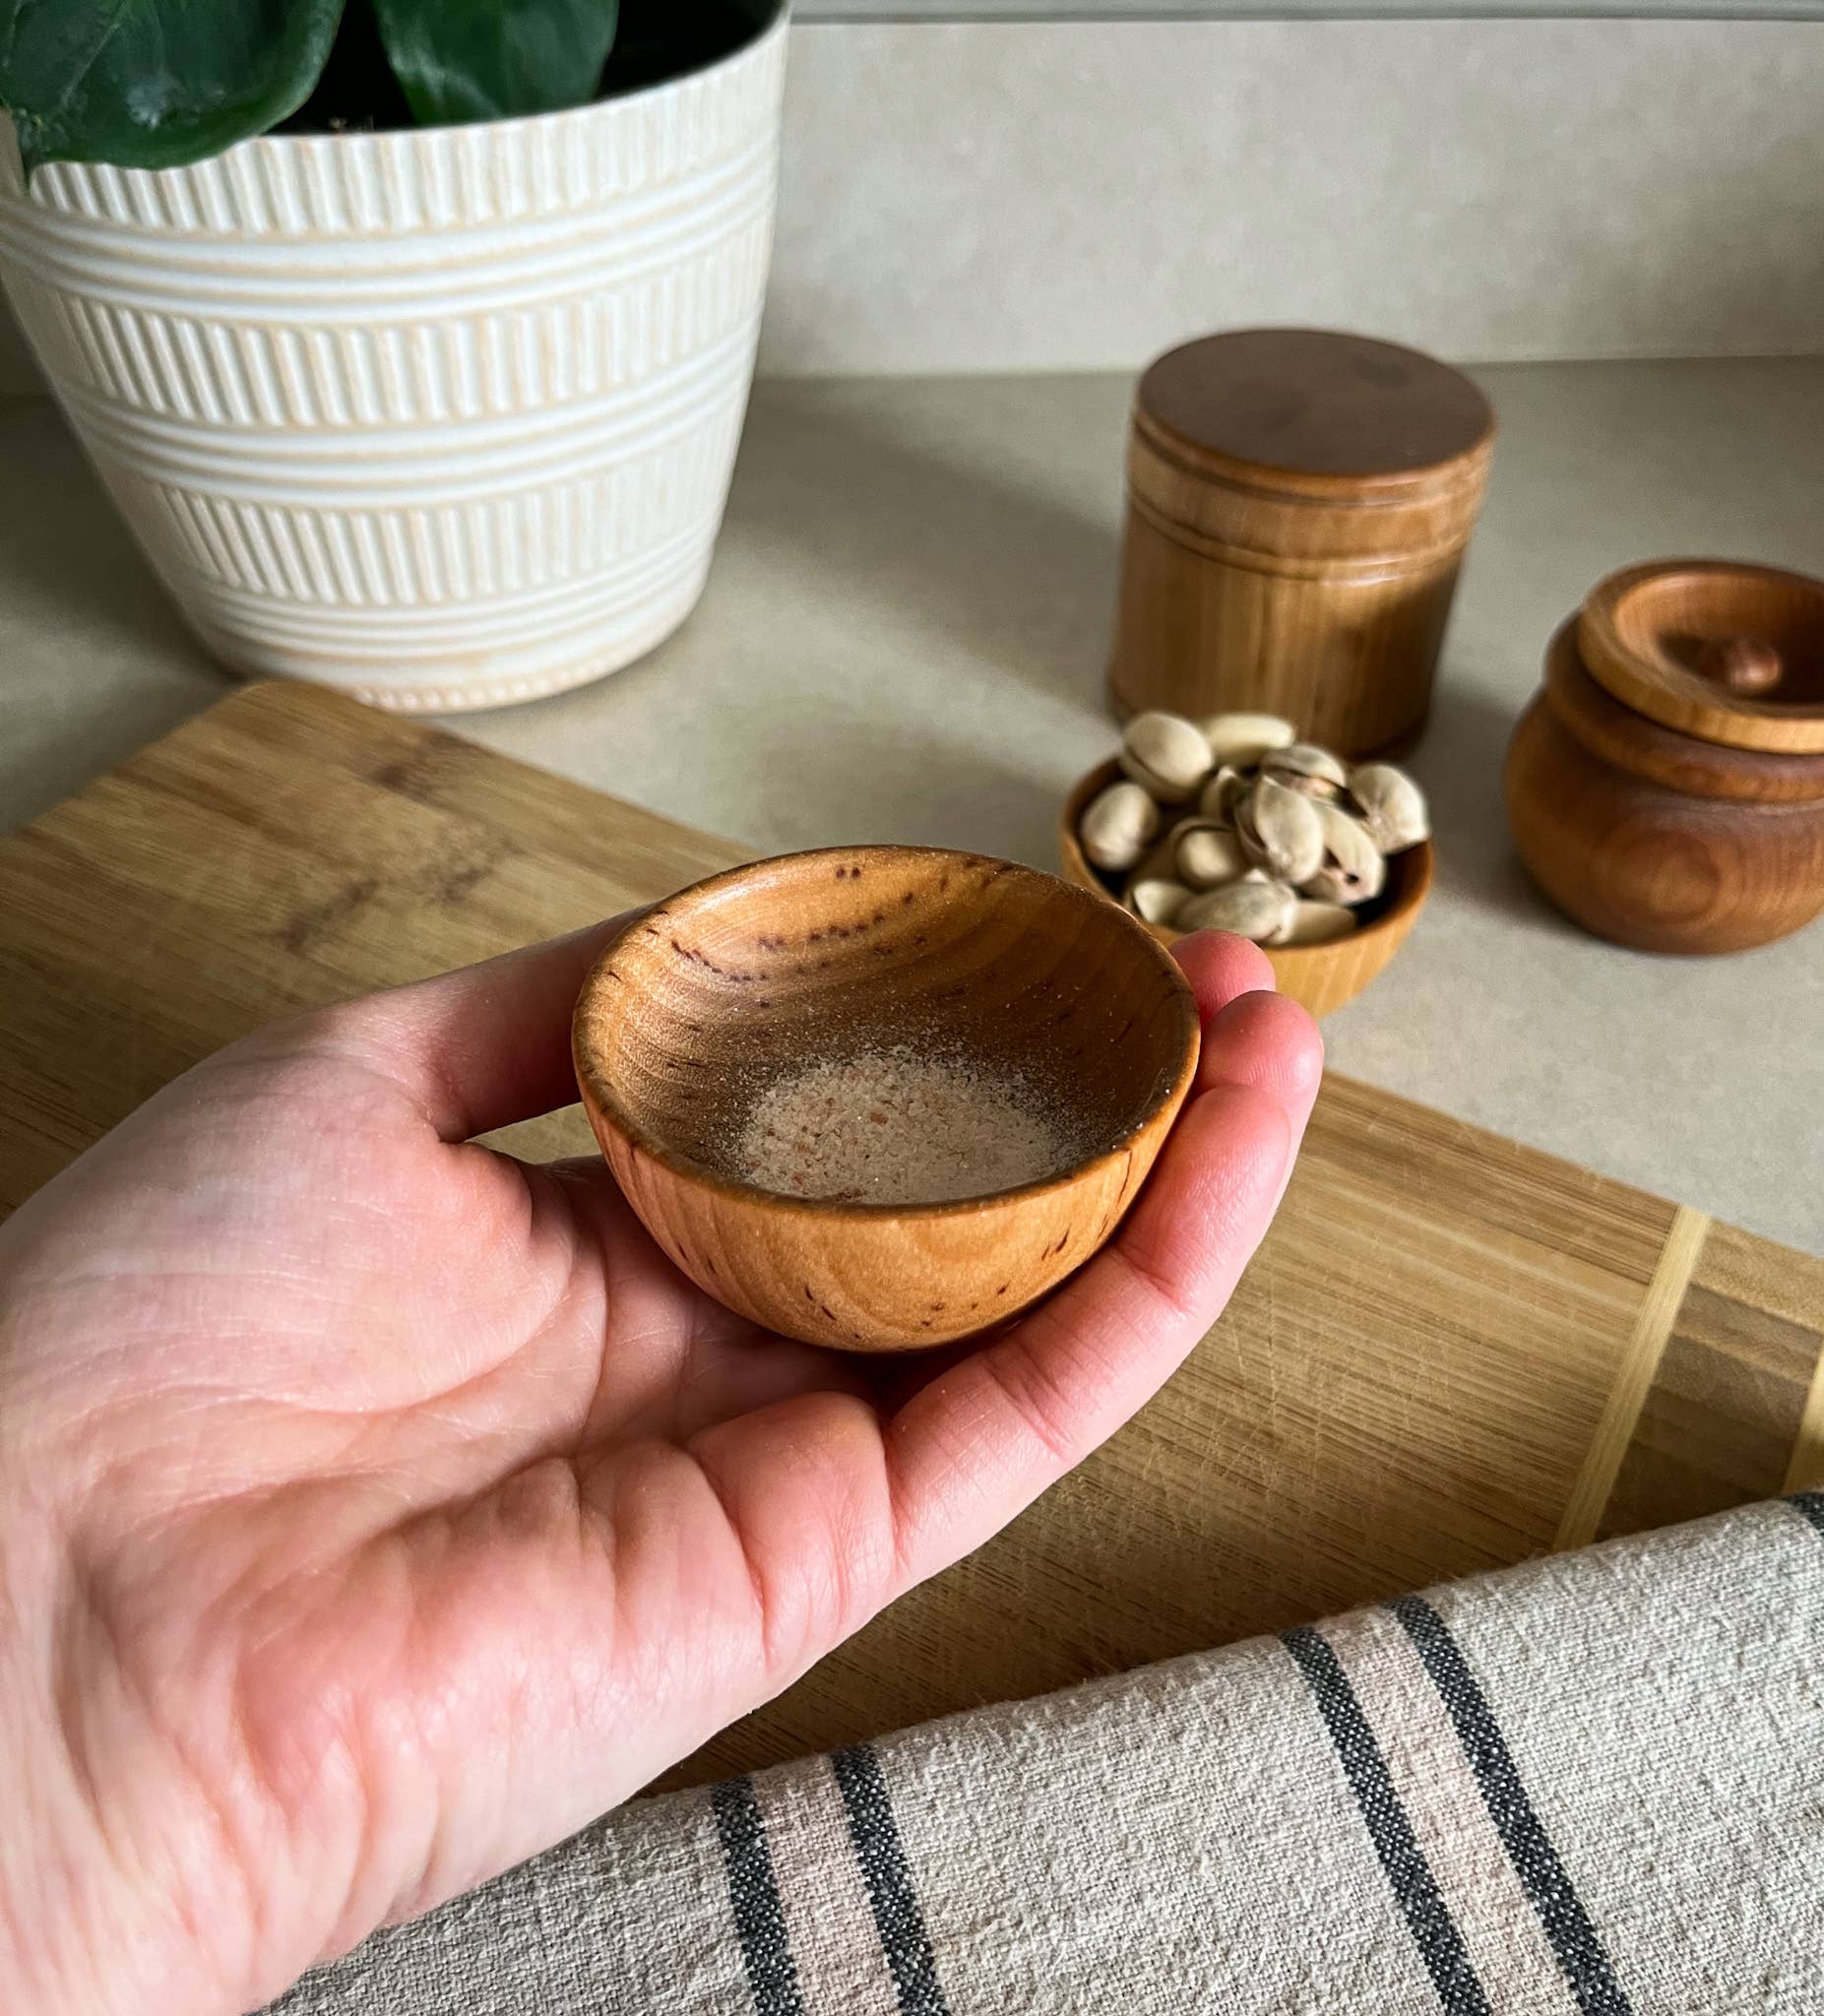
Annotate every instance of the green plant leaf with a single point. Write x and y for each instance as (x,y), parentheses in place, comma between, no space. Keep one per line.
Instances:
(495,59)
(357,91)
(154,84)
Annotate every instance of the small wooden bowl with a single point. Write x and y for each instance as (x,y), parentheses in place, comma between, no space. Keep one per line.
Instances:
(698,1003)
(1319,977)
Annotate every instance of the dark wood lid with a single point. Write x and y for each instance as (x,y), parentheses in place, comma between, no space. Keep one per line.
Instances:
(1642,747)
(1721,649)
(1330,410)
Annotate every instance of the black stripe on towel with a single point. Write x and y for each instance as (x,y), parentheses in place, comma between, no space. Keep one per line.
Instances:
(878,1849)
(1414,1888)
(1573,1937)
(1809,1505)
(759,1922)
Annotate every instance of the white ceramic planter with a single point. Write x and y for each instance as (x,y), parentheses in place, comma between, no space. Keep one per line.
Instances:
(447,418)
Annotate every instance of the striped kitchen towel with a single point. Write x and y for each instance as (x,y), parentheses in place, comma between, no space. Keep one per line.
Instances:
(1593,1783)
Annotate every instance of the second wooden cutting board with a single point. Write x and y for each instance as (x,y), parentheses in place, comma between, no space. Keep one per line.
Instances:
(1451,1354)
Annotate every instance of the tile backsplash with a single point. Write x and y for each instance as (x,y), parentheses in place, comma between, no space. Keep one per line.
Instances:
(1037,195)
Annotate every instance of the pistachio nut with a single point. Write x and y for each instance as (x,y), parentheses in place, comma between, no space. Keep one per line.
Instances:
(1393,808)
(1353,871)
(1159,863)
(1116,825)
(1156,900)
(1305,768)
(1242,739)
(1261,910)
(1168,754)
(1279,831)
(1207,855)
(1225,787)
(1318,923)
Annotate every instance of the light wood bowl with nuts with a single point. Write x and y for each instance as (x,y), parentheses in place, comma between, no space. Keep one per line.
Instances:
(1319,977)
(698,1004)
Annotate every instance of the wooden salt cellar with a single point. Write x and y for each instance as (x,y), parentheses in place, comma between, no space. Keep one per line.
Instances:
(1667,787)
(1299,504)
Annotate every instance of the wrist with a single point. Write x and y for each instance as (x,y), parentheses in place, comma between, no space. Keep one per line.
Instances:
(83,1930)
(46,1951)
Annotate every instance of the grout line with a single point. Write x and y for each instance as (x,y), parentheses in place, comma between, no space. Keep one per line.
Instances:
(1806,1471)
(1633,1380)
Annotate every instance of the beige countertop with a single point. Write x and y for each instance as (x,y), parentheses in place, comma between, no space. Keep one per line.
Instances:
(904,639)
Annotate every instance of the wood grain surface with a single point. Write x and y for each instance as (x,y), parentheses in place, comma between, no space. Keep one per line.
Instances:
(1452,1353)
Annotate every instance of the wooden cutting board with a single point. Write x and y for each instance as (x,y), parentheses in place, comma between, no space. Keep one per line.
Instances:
(1451,1354)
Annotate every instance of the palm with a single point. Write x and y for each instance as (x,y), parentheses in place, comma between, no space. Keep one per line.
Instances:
(421,1509)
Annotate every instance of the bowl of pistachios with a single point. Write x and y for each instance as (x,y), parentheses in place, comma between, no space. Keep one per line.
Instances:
(1234,824)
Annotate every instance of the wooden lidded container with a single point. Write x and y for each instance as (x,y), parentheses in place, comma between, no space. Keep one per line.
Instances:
(1667,787)
(1298,502)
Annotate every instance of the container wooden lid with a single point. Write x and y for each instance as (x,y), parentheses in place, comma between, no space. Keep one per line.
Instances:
(1316,412)
(1719,650)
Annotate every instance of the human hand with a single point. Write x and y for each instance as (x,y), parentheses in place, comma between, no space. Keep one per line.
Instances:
(376,1509)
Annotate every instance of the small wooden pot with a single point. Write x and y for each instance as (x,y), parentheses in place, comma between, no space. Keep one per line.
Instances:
(1299,504)
(1649,800)
(1319,977)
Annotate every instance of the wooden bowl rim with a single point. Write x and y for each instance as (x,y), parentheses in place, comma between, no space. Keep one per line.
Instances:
(1414,867)
(701,1176)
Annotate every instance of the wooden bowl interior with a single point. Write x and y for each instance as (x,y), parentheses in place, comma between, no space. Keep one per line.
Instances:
(716,994)
(1681,615)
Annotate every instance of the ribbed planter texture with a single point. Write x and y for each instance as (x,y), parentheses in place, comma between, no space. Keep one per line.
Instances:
(444,416)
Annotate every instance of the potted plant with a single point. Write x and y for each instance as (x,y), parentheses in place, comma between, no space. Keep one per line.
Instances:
(412,338)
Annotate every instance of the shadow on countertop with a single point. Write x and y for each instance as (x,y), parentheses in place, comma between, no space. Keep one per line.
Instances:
(1458,761)
(995,560)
